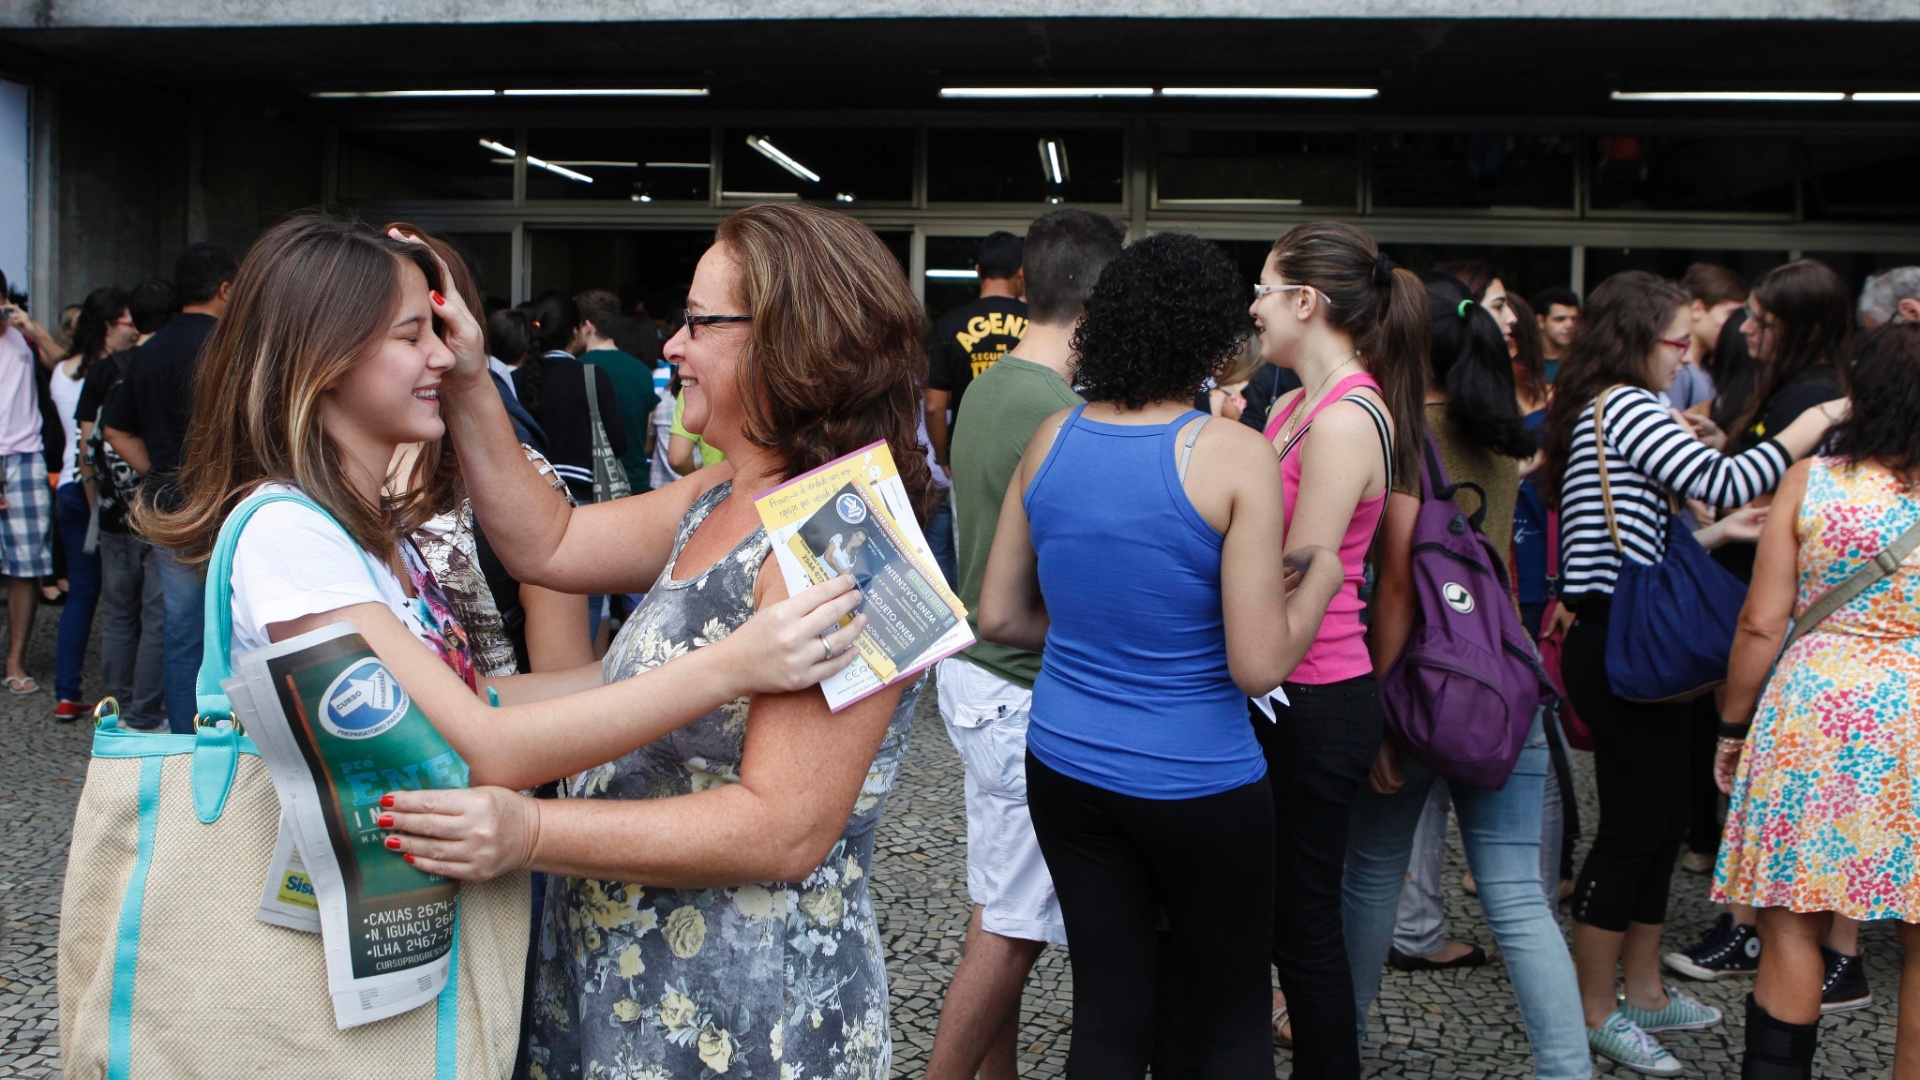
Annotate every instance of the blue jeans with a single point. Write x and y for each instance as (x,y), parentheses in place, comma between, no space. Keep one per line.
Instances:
(70,509)
(185,591)
(1501,830)
(940,539)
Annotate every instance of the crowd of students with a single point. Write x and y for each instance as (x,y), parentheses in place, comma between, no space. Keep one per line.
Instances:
(1188,530)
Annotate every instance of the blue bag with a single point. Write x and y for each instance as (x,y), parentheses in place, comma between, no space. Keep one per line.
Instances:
(1670,632)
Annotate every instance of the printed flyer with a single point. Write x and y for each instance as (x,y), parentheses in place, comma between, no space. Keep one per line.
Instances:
(852,517)
(337,731)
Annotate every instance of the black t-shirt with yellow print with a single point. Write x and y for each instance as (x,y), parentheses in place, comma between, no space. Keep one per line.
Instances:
(970,339)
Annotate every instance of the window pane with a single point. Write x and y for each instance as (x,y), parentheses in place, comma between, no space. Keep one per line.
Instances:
(1025,165)
(821,164)
(426,165)
(1604,262)
(490,257)
(1856,178)
(626,164)
(1693,175)
(1278,167)
(1472,172)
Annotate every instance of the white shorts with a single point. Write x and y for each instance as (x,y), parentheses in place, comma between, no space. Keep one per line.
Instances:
(987,720)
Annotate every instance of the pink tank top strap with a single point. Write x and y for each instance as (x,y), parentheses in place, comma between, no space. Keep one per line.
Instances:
(1340,389)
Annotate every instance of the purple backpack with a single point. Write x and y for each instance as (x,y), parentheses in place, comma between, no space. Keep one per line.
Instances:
(1462,695)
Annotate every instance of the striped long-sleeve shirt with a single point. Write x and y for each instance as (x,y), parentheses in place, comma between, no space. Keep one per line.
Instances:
(1649,454)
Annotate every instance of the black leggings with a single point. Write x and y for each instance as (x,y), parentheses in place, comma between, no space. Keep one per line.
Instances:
(1640,755)
(1318,753)
(1118,863)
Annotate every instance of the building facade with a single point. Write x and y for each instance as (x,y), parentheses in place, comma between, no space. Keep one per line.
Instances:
(580,143)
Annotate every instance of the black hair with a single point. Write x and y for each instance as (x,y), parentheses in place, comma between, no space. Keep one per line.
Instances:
(551,321)
(1165,315)
(1477,275)
(599,307)
(1469,358)
(1612,346)
(200,271)
(508,337)
(1065,251)
(1814,313)
(1382,306)
(152,304)
(636,336)
(97,313)
(1529,357)
(1884,425)
(1555,294)
(1736,374)
(1000,255)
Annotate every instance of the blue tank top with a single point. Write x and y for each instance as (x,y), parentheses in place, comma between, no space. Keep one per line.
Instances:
(1134,695)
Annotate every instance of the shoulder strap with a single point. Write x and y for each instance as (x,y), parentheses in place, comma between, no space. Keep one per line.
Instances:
(1600,456)
(1381,428)
(593,400)
(1186,448)
(216,657)
(1837,597)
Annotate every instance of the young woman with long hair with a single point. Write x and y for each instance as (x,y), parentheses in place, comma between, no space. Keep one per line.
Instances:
(1632,337)
(709,892)
(1821,821)
(328,359)
(1159,594)
(1335,310)
(104,327)
(1476,426)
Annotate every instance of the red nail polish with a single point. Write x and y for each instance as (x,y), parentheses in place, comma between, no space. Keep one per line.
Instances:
(409,858)
(437,298)
(386,800)
(386,821)
(393,842)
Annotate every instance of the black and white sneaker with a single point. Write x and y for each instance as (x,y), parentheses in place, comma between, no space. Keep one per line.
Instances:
(1727,948)
(1845,987)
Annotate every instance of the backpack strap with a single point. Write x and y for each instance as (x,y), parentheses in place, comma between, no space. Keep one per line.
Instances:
(1881,565)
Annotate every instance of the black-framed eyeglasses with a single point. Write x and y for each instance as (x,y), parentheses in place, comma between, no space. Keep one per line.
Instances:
(693,322)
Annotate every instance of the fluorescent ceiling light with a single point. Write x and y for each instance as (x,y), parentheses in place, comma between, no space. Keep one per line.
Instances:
(678,165)
(638,91)
(1728,95)
(779,157)
(400,93)
(1230,202)
(1342,93)
(978,92)
(558,170)
(599,164)
(1893,96)
(952,274)
(1053,161)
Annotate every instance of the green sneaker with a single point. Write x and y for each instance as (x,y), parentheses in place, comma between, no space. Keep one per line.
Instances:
(1622,1041)
(1682,1013)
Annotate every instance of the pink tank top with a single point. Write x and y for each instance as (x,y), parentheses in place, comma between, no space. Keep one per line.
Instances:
(1340,650)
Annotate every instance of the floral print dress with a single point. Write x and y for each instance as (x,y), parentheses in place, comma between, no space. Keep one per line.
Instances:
(774,981)
(1825,813)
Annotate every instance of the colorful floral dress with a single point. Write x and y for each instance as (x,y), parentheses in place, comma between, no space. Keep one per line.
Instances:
(775,981)
(1824,814)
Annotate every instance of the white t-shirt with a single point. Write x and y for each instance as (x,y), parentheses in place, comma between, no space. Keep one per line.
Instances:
(19,400)
(65,391)
(291,562)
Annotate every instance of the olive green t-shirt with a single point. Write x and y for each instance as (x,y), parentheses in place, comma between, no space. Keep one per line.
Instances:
(1004,406)
(1498,476)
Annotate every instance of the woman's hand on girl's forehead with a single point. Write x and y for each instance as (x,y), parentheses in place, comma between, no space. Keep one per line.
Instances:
(458,327)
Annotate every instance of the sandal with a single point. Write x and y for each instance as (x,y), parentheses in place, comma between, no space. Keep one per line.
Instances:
(1280,1024)
(22,684)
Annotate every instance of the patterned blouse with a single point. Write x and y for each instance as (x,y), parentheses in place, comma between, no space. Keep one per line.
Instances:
(773,981)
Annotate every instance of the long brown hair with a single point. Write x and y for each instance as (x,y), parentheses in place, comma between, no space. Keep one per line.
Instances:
(1529,356)
(1383,307)
(836,348)
(1612,345)
(311,297)
(1810,305)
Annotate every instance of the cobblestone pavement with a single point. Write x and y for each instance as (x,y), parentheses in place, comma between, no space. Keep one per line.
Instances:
(1440,1025)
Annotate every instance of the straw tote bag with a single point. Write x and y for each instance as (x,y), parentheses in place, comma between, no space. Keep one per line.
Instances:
(165,972)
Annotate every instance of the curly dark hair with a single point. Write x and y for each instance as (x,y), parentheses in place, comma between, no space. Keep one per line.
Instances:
(1167,313)
(1885,379)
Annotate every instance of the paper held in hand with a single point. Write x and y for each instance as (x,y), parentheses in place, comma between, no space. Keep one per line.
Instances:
(337,731)
(852,516)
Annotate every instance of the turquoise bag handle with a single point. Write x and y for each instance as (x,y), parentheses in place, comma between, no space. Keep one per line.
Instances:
(216,656)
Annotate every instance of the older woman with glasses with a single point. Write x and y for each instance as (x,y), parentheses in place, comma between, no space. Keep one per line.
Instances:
(709,909)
